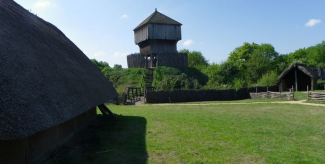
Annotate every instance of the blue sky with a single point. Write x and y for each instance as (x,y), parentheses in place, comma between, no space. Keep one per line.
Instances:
(103,29)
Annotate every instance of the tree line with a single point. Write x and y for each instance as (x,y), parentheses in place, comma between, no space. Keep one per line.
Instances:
(248,65)
(253,64)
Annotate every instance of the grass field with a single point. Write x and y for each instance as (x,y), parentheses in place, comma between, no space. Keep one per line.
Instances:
(221,133)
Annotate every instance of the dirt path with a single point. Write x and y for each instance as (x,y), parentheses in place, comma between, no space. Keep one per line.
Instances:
(301,102)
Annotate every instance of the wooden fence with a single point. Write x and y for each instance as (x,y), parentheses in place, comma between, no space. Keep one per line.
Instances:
(272,95)
(319,96)
(163,59)
(172,59)
(203,95)
(136,61)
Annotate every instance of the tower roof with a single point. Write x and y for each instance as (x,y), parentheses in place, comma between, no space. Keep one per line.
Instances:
(158,18)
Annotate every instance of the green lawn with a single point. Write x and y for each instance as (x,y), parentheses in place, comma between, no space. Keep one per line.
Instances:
(300,95)
(221,133)
(235,101)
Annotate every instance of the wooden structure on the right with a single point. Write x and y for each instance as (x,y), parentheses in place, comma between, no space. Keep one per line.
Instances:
(299,76)
(157,38)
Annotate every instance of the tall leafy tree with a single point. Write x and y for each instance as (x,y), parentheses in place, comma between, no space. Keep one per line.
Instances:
(195,58)
(253,60)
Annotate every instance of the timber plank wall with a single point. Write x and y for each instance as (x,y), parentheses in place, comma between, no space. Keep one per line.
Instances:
(163,59)
(203,95)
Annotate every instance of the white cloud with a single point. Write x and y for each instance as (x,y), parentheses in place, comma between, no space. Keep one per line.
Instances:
(43,4)
(188,43)
(98,54)
(120,54)
(312,22)
(124,16)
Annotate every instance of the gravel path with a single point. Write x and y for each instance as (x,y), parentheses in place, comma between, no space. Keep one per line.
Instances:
(302,102)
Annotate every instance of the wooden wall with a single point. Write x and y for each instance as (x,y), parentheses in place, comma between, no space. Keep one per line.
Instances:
(35,148)
(141,34)
(164,31)
(272,95)
(158,46)
(172,60)
(163,59)
(203,95)
(158,31)
(136,61)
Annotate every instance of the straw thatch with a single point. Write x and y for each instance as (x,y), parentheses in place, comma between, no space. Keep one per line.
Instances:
(45,79)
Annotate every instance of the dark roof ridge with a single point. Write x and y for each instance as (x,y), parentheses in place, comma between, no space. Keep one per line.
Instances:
(302,67)
(157,18)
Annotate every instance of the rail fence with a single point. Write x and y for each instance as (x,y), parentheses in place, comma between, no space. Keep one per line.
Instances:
(319,96)
(272,95)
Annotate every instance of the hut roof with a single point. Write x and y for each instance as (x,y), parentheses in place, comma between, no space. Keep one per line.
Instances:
(45,79)
(311,72)
(158,18)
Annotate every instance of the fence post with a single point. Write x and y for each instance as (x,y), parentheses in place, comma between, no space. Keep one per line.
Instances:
(307,92)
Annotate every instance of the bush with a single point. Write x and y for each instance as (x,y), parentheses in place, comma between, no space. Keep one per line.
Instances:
(268,79)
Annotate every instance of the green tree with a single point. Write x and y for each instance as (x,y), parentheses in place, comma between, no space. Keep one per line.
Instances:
(195,58)
(100,64)
(268,79)
(261,61)
(253,60)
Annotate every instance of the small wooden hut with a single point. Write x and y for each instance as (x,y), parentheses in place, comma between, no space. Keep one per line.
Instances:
(299,76)
(157,38)
(48,87)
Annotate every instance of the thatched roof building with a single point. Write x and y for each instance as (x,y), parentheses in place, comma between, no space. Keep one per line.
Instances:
(299,76)
(45,79)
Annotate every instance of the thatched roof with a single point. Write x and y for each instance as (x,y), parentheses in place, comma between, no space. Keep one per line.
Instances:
(316,73)
(158,18)
(45,79)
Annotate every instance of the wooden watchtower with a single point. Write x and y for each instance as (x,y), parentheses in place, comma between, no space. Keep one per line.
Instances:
(157,38)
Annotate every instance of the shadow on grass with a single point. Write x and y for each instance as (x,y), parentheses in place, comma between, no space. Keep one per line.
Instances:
(107,141)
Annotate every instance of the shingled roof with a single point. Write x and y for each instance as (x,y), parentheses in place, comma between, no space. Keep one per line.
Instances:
(158,18)
(316,73)
(45,79)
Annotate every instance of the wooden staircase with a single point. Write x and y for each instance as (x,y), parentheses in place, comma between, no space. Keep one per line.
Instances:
(149,77)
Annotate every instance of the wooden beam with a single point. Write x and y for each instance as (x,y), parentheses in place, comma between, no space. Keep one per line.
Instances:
(296,81)
(106,111)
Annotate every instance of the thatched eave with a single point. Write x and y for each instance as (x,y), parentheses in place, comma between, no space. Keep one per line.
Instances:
(45,79)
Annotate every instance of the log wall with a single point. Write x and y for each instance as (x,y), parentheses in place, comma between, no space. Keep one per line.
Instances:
(164,31)
(136,61)
(163,59)
(272,95)
(158,31)
(202,95)
(319,96)
(172,60)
